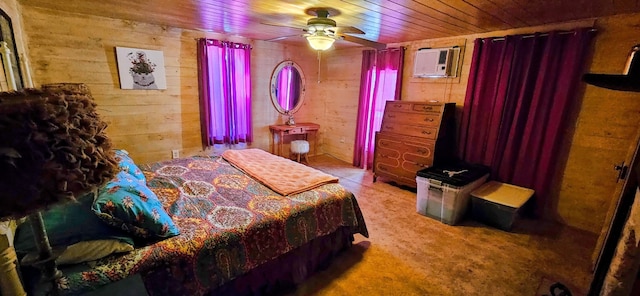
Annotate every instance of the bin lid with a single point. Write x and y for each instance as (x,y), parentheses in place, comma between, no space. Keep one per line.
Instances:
(503,193)
(454,174)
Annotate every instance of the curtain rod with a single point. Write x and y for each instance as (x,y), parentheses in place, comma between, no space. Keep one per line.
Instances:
(541,34)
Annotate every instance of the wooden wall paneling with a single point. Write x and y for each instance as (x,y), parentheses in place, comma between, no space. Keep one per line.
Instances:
(342,87)
(71,51)
(606,124)
(189,94)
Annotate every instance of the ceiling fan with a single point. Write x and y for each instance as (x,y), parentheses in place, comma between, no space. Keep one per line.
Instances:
(321,31)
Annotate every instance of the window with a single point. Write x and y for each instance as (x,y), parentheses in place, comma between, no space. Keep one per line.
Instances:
(224,70)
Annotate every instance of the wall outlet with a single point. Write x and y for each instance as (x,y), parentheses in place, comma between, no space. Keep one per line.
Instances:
(341,139)
(175,153)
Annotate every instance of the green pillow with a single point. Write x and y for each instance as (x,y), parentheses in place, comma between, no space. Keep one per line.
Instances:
(127,203)
(92,250)
(67,224)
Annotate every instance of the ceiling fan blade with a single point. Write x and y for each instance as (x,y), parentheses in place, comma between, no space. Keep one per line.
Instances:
(282,37)
(286,26)
(339,30)
(364,42)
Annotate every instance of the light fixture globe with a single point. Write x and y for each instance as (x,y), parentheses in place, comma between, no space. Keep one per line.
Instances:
(320,42)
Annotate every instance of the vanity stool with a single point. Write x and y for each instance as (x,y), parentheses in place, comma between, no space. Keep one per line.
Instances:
(300,147)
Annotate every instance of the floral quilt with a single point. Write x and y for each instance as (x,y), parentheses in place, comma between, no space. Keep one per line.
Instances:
(229,223)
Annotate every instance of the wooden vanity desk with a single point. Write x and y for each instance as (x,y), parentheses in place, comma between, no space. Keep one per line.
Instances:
(283,130)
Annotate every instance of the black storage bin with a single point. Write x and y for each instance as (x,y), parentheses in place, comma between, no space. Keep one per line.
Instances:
(498,204)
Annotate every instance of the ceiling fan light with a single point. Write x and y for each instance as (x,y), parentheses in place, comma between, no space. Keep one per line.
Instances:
(320,42)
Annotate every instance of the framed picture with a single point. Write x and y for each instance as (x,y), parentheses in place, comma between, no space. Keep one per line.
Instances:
(141,68)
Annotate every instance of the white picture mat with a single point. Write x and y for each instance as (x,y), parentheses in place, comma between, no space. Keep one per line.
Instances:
(127,59)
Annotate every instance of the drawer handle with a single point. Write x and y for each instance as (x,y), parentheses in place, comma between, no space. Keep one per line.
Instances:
(426,132)
(423,151)
(427,108)
(397,105)
(391,116)
(428,119)
(422,165)
(389,128)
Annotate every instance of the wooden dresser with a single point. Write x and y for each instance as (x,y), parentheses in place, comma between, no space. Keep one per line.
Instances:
(413,136)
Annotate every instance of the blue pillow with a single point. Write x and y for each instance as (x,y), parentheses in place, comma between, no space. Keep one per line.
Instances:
(67,224)
(127,203)
(125,163)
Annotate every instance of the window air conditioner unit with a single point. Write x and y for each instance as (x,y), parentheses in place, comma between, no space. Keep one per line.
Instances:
(436,62)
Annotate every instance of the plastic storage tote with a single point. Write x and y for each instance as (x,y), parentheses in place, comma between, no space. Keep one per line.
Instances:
(497,204)
(443,192)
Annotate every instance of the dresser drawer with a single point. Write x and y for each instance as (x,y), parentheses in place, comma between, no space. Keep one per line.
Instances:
(296,131)
(403,143)
(427,107)
(390,158)
(397,106)
(428,132)
(399,174)
(387,142)
(424,149)
(387,169)
(416,151)
(427,119)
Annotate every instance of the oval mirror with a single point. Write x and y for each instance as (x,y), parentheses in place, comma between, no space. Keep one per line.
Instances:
(287,87)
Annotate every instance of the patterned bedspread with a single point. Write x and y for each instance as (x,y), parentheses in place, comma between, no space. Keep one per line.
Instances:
(229,224)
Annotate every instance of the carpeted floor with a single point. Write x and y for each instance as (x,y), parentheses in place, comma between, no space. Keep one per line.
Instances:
(410,254)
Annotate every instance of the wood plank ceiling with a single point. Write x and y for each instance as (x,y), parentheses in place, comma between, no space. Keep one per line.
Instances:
(382,20)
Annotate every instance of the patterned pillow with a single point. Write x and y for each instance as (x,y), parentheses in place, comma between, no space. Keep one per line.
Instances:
(67,224)
(127,203)
(125,163)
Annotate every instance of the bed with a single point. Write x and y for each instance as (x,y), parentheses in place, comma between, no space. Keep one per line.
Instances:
(237,236)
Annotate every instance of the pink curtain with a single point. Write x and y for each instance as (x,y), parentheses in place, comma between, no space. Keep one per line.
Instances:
(380,81)
(224,72)
(518,97)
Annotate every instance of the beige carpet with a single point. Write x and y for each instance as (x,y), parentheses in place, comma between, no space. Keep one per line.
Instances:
(409,254)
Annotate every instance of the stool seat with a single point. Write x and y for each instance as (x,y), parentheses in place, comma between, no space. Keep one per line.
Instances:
(300,147)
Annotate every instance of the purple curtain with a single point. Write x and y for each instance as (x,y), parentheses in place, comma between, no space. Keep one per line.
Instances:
(518,97)
(380,81)
(224,72)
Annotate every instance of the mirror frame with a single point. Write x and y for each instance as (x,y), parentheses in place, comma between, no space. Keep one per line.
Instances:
(8,37)
(273,86)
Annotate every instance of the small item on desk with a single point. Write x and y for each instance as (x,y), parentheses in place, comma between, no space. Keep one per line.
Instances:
(291,121)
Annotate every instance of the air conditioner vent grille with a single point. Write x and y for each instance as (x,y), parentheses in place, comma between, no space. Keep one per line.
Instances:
(436,62)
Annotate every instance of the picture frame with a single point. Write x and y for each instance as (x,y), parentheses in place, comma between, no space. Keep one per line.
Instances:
(141,68)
